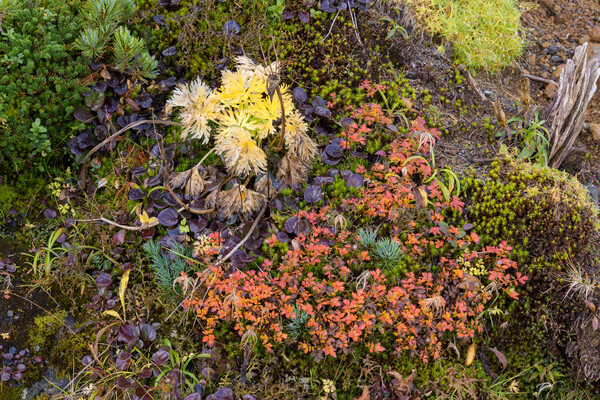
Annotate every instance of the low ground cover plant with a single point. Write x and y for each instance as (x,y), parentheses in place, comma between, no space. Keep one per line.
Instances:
(483,34)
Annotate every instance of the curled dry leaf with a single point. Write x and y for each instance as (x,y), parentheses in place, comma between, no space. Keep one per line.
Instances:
(501,357)
(195,184)
(365,394)
(470,283)
(402,386)
(178,180)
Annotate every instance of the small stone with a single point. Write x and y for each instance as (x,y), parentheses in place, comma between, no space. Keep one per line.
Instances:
(552,50)
(545,45)
(593,191)
(558,71)
(551,90)
(583,39)
(10,313)
(595,130)
(556,59)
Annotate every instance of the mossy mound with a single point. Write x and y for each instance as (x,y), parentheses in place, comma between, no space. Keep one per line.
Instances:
(544,214)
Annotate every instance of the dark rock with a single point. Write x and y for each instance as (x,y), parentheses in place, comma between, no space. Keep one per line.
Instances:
(593,191)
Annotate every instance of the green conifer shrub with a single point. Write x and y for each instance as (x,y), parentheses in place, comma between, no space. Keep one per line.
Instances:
(103,33)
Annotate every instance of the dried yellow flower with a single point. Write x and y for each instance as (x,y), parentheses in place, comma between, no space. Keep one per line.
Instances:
(238,200)
(200,105)
(240,152)
(292,171)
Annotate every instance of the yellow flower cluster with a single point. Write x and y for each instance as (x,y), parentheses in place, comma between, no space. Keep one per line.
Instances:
(244,113)
(476,269)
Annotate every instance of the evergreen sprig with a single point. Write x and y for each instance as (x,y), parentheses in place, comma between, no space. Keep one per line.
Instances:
(129,52)
(167,267)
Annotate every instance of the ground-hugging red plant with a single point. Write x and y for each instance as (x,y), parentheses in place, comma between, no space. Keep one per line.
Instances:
(344,297)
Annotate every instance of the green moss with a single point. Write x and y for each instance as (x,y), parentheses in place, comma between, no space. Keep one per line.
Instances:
(45,327)
(39,85)
(544,214)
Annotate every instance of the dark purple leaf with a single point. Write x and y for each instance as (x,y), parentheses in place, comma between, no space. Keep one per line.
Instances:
(95,101)
(324,180)
(322,111)
(137,171)
(122,361)
(119,237)
(169,151)
(103,280)
(288,14)
(100,132)
(283,237)
(224,394)
(346,122)
(101,86)
(304,16)
(240,258)
(123,120)
(359,154)
(193,396)
(355,181)
(129,333)
(145,373)
(124,383)
(147,233)
(334,150)
(327,159)
(467,226)
(231,28)
(136,194)
(168,217)
(110,105)
(87,360)
(147,333)
(170,200)
(291,224)
(327,7)
(176,376)
(313,194)
(17,376)
(50,213)
(299,95)
(160,357)
(159,19)
(154,180)
(82,114)
(318,101)
(169,51)
(198,225)
(392,128)
(144,100)
(346,174)
(121,88)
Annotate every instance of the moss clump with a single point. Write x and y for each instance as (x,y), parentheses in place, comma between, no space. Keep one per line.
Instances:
(485,33)
(46,327)
(543,213)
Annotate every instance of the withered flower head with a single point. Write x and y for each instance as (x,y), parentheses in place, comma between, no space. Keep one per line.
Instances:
(240,152)
(292,171)
(246,64)
(265,185)
(200,105)
(239,200)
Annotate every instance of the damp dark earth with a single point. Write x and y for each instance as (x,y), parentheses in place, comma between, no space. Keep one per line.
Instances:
(309,199)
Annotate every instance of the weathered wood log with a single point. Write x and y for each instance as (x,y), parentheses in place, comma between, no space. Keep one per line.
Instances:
(566,112)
